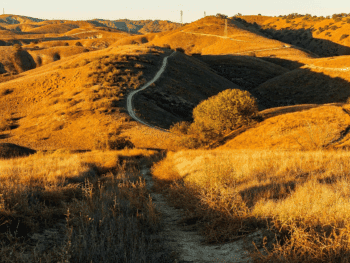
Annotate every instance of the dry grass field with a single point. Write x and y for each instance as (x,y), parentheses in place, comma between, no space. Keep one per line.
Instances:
(298,198)
(309,129)
(77,207)
(74,193)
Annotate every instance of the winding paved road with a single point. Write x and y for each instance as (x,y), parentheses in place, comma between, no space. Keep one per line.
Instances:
(129,104)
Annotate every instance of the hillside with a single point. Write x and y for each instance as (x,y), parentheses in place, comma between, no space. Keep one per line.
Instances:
(91,169)
(53,104)
(139,26)
(247,72)
(35,25)
(323,36)
(307,128)
(321,81)
(206,36)
(185,84)
(50,106)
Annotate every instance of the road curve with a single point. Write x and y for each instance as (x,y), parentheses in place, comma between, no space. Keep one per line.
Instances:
(129,104)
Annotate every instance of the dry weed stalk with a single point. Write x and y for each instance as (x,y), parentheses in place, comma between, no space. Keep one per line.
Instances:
(300,198)
(104,206)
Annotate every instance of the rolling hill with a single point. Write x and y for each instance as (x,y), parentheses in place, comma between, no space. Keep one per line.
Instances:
(103,63)
(324,36)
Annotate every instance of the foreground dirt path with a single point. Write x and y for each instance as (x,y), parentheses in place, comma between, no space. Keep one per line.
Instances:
(186,240)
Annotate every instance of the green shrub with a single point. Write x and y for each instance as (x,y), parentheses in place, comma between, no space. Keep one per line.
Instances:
(217,116)
(226,111)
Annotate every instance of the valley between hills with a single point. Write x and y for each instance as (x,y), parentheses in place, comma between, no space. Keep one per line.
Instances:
(221,140)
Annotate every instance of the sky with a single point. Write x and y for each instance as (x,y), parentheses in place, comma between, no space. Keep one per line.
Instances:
(168,10)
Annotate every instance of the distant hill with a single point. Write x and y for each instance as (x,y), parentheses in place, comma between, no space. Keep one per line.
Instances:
(16,19)
(138,26)
(16,22)
(323,36)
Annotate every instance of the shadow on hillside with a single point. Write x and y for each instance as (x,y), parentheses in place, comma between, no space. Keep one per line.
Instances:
(301,38)
(272,85)
(289,64)
(4,136)
(302,86)
(246,71)
(275,88)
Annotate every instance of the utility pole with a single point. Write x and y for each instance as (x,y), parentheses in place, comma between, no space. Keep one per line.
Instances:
(205,14)
(225,31)
(181,17)
(3,11)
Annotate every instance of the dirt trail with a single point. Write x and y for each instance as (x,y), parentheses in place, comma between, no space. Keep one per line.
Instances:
(326,68)
(187,241)
(203,34)
(233,39)
(129,104)
(239,40)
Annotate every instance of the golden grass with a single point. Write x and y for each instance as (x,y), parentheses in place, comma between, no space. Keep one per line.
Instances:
(53,172)
(190,37)
(309,129)
(99,196)
(301,197)
(331,31)
(68,103)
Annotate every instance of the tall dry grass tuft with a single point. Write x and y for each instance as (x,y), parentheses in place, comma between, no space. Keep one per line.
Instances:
(301,199)
(78,207)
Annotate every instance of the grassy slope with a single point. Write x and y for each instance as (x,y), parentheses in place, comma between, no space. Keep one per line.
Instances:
(322,126)
(297,199)
(73,102)
(55,103)
(185,83)
(307,34)
(324,83)
(246,72)
(190,39)
(78,207)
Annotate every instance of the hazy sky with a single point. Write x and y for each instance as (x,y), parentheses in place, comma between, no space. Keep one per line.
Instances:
(168,10)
